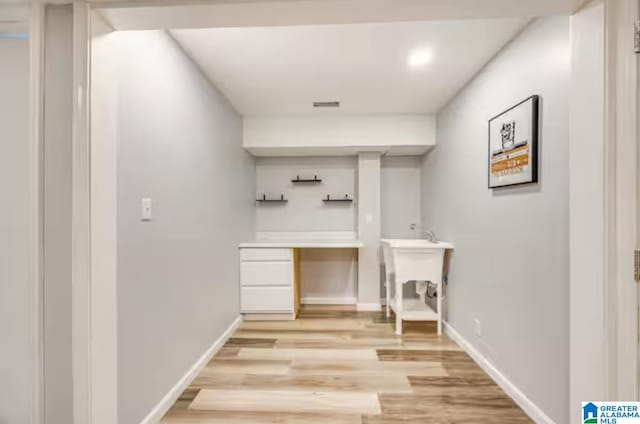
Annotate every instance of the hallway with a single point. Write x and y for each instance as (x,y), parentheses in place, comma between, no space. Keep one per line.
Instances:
(336,365)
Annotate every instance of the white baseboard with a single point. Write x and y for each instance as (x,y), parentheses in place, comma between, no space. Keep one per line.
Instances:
(170,398)
(329,300)
(269,317)
(527,405)
(369,307)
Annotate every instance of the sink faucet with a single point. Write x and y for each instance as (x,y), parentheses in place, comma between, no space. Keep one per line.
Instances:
(429,235)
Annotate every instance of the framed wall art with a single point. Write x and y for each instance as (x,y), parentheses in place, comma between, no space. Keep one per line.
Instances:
(513,145)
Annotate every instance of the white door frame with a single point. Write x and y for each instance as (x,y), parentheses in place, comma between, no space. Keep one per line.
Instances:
(36,239)
(94,307)
(82,345)
(621,170)
(93,246)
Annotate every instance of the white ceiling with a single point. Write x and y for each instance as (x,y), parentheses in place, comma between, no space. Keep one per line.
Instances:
(145,14)
(282,70)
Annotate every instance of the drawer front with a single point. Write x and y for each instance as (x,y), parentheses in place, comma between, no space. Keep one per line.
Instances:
(266,274)
(266,299)
(266,254)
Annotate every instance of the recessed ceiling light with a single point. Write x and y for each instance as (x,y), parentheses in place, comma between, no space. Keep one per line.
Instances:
(418,58)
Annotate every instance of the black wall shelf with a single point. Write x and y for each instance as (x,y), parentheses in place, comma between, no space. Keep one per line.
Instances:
(315,179)
(346,198)
(276,200)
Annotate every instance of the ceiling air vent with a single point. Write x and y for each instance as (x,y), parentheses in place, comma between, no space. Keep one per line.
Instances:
(326,104)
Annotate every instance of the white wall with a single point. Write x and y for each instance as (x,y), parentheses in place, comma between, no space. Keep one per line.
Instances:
(305,210)
(400,193)
(15,301)
(14,18)
(338,135)
(179,143)
(58,109)
(586,202)
(400,196)
(510,268)
(328,275)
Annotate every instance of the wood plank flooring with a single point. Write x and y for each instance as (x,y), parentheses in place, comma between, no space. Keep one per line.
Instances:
(340,366)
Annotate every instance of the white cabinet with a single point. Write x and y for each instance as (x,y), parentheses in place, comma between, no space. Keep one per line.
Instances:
(265,273)
(266,254)
(267,281)
(264,300)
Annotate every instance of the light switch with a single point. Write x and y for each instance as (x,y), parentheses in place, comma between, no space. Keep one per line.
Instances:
(368,218)
(147,209)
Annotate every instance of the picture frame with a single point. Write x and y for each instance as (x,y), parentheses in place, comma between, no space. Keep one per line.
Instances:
(513,145)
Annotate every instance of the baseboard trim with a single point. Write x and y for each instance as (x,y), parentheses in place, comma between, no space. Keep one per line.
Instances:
(375,307)
(170,398)
(527,405)
(269,317)
(329,300)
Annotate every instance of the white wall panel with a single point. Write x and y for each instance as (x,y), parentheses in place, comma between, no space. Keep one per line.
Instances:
(510,268)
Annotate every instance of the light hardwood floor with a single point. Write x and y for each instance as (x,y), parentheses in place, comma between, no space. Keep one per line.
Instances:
(335,365)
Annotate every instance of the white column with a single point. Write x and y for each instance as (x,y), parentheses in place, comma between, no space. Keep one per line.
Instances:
(94,274)
(369,231)
(587,204)
(102,83)
(57,196)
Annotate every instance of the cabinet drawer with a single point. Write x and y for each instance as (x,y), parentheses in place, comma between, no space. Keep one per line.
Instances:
(266,254)
(266,299)
(266,273)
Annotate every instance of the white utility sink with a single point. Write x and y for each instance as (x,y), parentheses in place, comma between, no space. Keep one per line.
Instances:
(413,260)
(417,243)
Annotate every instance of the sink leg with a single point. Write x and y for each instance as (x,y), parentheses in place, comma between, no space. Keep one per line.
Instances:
(388,307)
(399,307)
(421,289)
(388,296)
(439,305)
